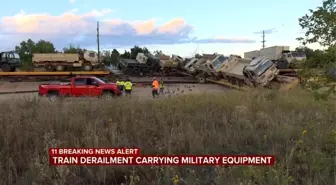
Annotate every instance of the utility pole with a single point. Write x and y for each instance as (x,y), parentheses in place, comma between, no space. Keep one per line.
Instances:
(98,42)
(263,39)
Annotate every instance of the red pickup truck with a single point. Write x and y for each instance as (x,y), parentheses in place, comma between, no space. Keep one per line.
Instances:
(80,86)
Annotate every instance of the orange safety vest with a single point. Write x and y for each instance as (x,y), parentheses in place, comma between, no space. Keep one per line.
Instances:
(155,84)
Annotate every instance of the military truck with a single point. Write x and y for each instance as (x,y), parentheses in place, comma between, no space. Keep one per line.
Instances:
(280,55)
(153,62)
(258,72)
(142,65)
(196,65)
(177,58)
(10,60)
(211,66)
(61,61)
(204,66)
(133,67)
(189,66)
(170,64)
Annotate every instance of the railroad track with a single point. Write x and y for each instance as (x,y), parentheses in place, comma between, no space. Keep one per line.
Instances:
(144,80)
(66,76)
(111,76)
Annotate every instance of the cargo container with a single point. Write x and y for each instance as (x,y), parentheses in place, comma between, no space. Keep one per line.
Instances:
(274,53)
(280,55)
(252,54)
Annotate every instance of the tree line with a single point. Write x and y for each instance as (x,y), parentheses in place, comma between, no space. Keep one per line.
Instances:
(320,27)
(26,49)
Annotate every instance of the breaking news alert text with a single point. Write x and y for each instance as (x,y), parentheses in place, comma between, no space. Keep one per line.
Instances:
(95,151)
(131,156)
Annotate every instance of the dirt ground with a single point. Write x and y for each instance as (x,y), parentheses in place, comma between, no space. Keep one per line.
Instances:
(138,92)
(18,86)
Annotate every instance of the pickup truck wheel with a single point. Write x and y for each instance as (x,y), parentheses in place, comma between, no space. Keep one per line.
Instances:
(52,96)
(5,68)
(107,95)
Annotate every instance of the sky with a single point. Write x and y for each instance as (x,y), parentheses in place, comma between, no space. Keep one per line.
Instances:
(175,27)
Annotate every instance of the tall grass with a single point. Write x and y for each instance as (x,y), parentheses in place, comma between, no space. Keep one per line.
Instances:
(299,130)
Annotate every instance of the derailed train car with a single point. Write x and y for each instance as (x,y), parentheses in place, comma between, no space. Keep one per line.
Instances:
(150,65)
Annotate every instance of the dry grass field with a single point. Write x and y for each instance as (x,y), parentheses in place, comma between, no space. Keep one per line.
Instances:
(295,127)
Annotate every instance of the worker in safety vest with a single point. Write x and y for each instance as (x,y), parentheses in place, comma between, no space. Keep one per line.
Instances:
(128,86)
(161,87)
(118,83)
(156,86)
(122,84)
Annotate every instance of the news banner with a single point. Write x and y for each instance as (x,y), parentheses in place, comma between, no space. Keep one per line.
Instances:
(132,156)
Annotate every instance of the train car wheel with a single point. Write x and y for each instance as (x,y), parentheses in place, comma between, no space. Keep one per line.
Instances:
(59,67)
(49,67)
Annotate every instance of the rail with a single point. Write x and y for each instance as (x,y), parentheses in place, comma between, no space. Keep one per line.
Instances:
(227,84)
(286,83)
(142,80)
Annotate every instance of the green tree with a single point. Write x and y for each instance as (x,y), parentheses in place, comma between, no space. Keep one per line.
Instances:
(126,55)
(305,49)
(26,49)
(43,46)
(105,57)
(320,25)
(111,58)
(158,53)
(72,49)
(146,51)
(135,50)
(115,56)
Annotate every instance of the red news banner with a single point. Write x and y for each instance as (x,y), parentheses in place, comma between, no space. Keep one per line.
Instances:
(131,156)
